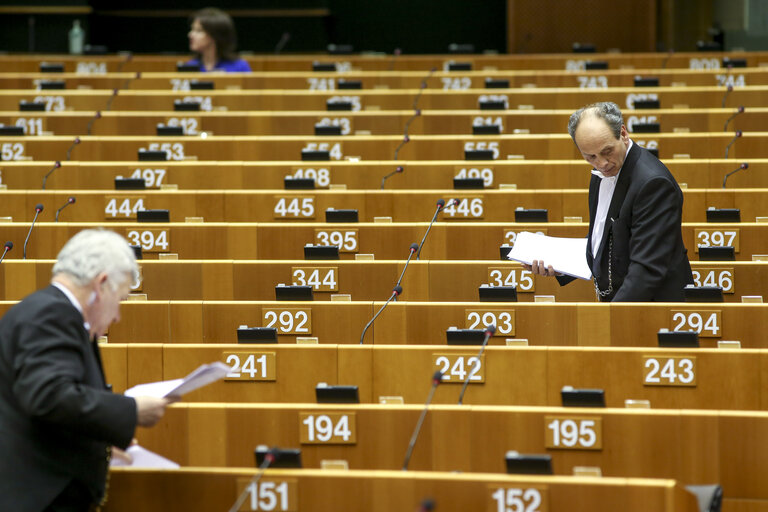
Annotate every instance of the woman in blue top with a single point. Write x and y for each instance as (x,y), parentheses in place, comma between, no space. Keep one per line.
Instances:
(213,39)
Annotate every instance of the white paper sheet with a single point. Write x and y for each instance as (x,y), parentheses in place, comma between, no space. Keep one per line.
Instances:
(143,458)
(204,375)
(566,255)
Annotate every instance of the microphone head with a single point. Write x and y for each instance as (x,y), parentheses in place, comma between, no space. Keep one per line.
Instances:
(741,109)
(406,139)
(397,290)
(440,203)
(71,200)
(730,88)
(745,165)
(98,114)
(399,168)
(490,329)
(39,207)
(138,75)
(437,377)
(418,112)
(453,202)
(9,245)
(114,92)
(738,133)
(76,141)
(415,246)
(57,164)
(428,505)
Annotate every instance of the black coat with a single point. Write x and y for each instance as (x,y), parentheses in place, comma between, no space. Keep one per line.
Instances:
(57,418)
(642,235)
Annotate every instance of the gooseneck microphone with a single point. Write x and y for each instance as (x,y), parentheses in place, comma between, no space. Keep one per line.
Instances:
(440,206)
(490,330)
(8,247)
(269,458)
(739,110)
(38,209)
(69,151)
(745,165)
(398,169)
(396,291)
(427,505)
(282,42)
(728,147)
(70,201)
(96,116)
(406,137)
(395,54)
(666,59)
(56,165)
(727,92)
(437,377)
(414,248)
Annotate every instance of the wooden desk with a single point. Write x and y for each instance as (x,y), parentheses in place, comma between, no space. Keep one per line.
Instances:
(327,491)
(383,147)
(435,122)
(448,80)
(567,61)
(443,281)
(387,241)
(530,376)
(419,323)
(215,175)
(397,99)
(689,446)
(308,206)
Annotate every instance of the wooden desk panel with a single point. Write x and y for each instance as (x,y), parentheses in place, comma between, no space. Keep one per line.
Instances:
(426,147)
(399,99)
(452,80)
(552,324)
(400,206)
(435,122)
(303,63)
(724,379)
(326,491)
(526,174)
(455,241)
(487,433)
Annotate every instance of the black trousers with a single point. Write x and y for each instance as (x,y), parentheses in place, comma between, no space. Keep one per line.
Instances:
(75,497)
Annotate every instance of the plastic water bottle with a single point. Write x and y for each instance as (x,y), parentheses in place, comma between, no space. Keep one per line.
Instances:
(76,39)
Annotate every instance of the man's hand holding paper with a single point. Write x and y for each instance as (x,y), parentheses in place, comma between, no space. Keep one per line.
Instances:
(551,255)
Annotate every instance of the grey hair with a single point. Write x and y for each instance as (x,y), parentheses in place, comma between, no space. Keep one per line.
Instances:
(93,251)
(608,111)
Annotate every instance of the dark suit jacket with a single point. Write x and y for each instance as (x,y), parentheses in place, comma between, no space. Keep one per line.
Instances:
(57,419)
(642,234)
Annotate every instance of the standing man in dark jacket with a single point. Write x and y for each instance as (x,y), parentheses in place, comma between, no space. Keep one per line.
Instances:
(635,245)
(58,420)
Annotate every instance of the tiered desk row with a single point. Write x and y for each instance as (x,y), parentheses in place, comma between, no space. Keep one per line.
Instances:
(223,154)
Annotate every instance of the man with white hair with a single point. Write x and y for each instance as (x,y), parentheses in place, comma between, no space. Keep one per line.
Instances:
(58,420)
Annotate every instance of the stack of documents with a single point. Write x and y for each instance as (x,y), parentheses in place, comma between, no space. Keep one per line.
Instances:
(566,255)
(204,375)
